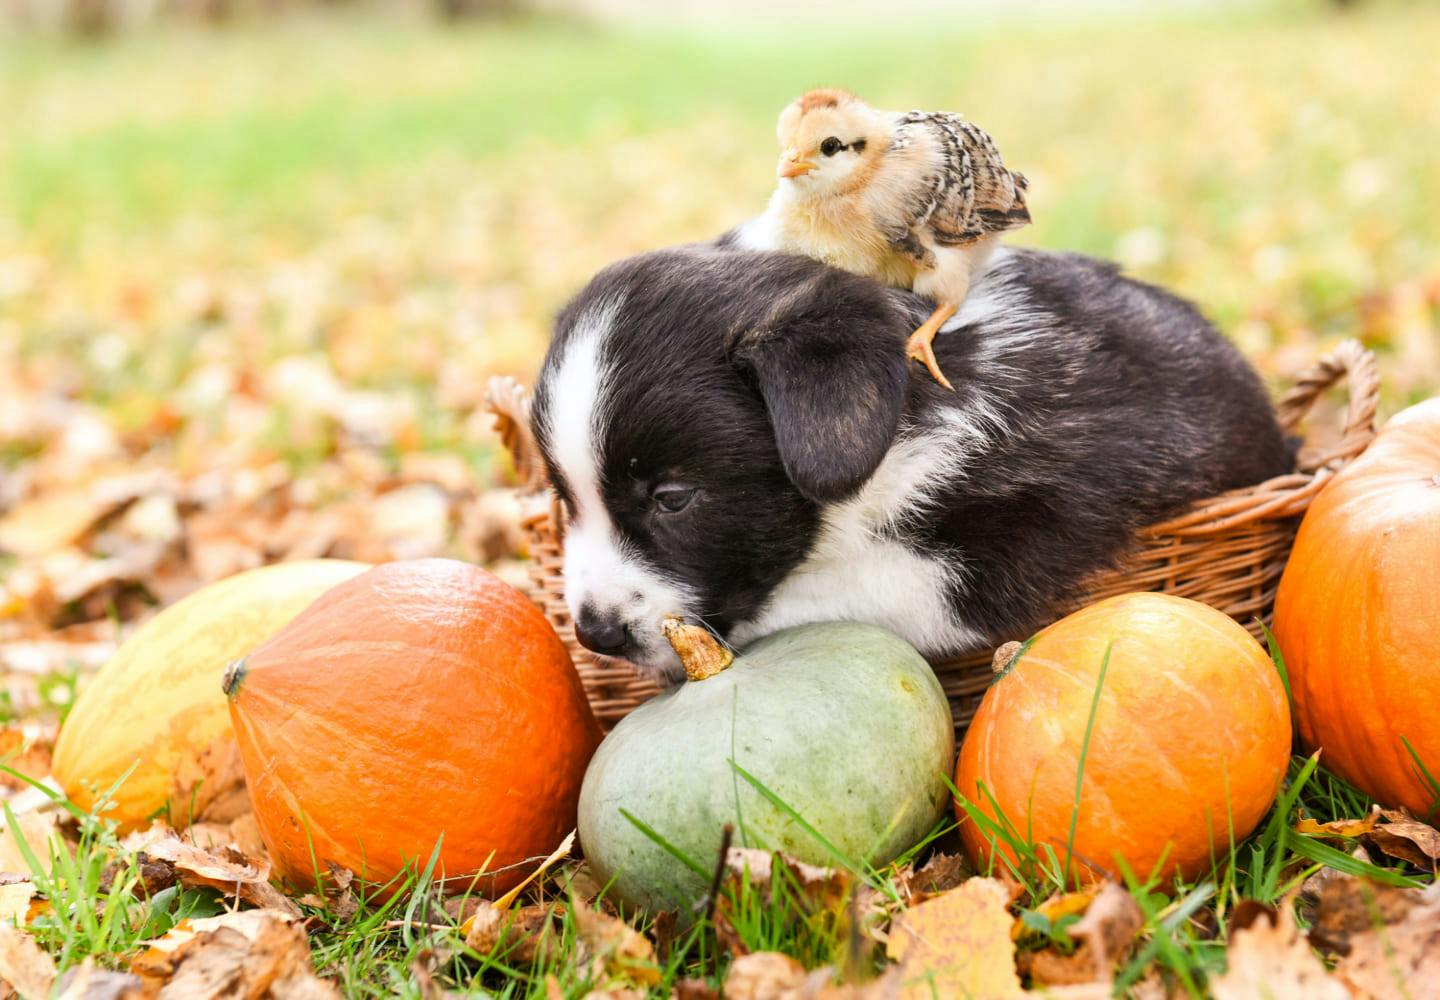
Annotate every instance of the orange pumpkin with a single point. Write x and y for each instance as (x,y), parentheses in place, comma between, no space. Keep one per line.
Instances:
(418,701)
(1358,615)
(1191,738)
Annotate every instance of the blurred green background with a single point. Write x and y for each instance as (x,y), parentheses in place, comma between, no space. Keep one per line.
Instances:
(403,200)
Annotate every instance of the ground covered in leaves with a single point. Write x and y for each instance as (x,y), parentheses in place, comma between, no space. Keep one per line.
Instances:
(252,283)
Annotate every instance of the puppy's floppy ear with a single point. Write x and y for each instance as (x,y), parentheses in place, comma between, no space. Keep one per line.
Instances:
(828,358)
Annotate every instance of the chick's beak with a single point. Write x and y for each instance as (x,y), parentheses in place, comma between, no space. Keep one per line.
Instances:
(791,165)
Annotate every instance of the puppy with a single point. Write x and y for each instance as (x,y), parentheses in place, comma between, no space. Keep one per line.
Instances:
(736,439)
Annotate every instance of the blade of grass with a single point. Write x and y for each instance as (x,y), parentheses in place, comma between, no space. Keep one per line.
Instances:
(1080,768)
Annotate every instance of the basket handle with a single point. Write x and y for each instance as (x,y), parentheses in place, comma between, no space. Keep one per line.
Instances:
(509,401)
(1362,386)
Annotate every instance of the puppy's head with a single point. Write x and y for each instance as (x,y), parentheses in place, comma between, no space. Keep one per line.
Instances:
(696,409)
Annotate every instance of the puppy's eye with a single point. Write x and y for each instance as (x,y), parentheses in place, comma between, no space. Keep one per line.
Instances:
(672,499)
(831,146)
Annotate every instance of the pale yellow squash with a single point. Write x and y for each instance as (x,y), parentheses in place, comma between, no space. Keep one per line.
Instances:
(157,704)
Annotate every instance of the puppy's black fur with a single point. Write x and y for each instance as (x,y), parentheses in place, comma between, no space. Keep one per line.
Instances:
(1086,405)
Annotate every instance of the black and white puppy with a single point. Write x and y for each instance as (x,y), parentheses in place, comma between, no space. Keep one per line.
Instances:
(739,439)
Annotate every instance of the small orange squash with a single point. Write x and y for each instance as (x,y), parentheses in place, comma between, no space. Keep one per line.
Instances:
(1191,738)
(419,703)
(1358,616)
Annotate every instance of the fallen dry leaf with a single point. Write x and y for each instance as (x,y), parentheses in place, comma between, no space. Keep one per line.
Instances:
(250,953)
(1106,932)
(1340,827)
(241,833)
(521,933)
(822,887)
(764,975)
(1272,959)
(1109,927)
(1400,958)
(88,981)
(223,868)
(28,753)
(1059,906)
(613,949)
(1405,837)
(958,944)
(39,831)
(53,521)
(1347,907)
(941,873)
(769,975)
(15,900)
(694,989)
(562,851)
(24,965)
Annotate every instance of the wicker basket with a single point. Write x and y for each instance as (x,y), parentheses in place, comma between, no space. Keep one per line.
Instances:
(1227,551)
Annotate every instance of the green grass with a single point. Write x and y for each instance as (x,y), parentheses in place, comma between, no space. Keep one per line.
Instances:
(99,909)
(1265,161)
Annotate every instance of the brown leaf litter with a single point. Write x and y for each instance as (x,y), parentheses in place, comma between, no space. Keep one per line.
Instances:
(1106,932)
(958,944)
(248,953)
(1399,836)
(610,949)
(1273,958)
(224,868)
(769,975)
(24,964)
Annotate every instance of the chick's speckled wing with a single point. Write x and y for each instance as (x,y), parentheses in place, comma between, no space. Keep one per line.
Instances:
(971,195)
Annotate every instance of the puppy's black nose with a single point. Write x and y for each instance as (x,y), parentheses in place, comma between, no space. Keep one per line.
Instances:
(604,634)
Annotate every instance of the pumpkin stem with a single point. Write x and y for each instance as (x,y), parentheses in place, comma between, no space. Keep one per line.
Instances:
(1003,655)
(234,677)
(700,654)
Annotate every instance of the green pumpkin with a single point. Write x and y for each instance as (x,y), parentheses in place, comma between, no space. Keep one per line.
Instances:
(843,722)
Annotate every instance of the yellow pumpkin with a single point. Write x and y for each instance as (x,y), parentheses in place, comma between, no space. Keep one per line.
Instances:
(157,706)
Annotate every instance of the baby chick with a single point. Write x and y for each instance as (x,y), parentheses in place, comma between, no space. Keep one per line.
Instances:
(914,199)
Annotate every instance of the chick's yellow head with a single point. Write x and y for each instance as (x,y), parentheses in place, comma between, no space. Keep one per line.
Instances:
(828,140)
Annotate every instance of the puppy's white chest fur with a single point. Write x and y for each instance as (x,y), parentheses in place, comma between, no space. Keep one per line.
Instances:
(859,570)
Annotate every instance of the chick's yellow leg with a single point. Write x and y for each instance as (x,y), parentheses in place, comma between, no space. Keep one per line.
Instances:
(919,346)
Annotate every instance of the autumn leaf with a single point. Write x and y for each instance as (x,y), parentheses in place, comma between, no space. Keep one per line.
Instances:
(1271,959)
(15,900)
(1403,836)
(252,953)
(223,868)
(1110,922)
(958,944)
(764,975)
(520,934)
(40,835)
(820,887)
(1055,909)
(1339,827)
(1347,907)
(23,964)
(88,981)
(1401,958)
(612,948)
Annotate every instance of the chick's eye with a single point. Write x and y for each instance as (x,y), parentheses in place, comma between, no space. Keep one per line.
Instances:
(672,499)
(831,146)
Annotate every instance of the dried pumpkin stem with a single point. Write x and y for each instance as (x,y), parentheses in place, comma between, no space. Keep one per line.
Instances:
(1003,656)
(234,677)
(700,654)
